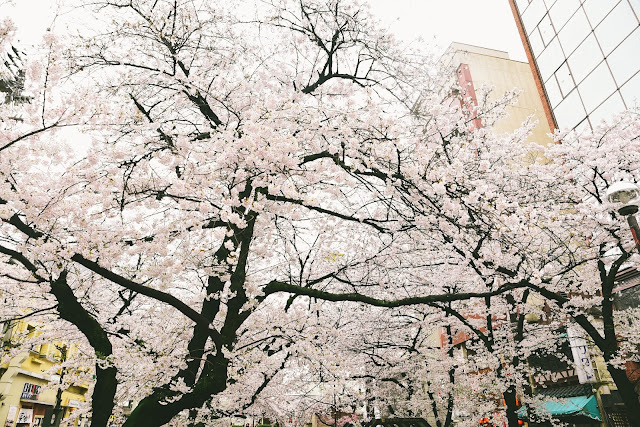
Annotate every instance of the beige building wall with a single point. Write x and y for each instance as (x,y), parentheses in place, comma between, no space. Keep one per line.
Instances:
(26,391)
(493,69)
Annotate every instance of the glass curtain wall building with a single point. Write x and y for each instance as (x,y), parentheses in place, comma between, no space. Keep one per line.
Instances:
(585,55)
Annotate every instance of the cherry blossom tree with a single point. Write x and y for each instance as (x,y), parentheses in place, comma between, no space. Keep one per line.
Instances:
(225,157)
(192,184)
(542,220)
(586,164)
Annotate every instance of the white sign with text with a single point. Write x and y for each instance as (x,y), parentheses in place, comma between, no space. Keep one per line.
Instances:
(581,357)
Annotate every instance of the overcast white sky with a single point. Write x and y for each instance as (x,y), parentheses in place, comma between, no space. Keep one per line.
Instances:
(485,23)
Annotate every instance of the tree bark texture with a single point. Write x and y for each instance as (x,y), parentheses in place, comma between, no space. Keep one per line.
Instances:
(105,387)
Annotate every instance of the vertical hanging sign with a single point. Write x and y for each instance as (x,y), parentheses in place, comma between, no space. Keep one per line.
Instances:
(581,357)
(11,415)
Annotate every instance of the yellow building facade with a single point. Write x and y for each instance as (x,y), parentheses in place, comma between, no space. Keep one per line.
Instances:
(27,387)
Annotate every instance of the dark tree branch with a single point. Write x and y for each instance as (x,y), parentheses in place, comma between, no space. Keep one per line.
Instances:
(149,292)
(276,286)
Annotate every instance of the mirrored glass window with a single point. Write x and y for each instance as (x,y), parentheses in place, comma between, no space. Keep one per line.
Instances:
(597,87)
(550,59)
(635,4)
(570,111)
(546,30)
(553,91)
(522,5)
(608,108)
(562,11)
(533,14)
(625,60)
(536,43)
(565,80)
(631,91)
(615,27)
(598,9)
(583,126)
(585,58)
(574,32)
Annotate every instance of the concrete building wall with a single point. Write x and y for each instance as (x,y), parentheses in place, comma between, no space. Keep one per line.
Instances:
(493,68)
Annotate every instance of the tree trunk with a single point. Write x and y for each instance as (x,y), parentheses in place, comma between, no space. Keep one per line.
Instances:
(629,396)
(511,406)
(153,411)
(448,421)
(625,386)
(105,387)
(103,393)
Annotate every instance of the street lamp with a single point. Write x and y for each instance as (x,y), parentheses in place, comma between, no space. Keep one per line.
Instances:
(626,197)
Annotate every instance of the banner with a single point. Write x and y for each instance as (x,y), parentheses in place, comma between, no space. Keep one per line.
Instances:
(581,357)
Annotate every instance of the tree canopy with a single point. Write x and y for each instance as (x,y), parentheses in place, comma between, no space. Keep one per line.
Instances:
(223,202)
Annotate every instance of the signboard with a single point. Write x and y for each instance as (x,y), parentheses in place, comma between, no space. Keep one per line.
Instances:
(11,415)
(30,391)
(580,353)
(25,416)
(73,403)
(553,376)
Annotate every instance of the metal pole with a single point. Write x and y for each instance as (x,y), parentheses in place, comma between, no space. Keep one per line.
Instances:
(635,230)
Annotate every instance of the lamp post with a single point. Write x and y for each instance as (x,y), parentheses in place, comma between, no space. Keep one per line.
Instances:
(626,197)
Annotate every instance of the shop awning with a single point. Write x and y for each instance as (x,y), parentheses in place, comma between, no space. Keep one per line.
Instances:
(566,408)
(39,402)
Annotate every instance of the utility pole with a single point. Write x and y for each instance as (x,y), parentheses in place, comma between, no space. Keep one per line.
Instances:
(53,417)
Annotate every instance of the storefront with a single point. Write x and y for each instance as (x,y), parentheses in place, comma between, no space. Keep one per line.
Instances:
(31,414)
(33,405)
(30,409)
(577,411)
